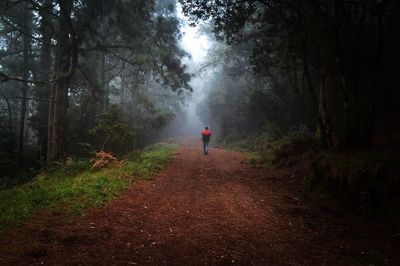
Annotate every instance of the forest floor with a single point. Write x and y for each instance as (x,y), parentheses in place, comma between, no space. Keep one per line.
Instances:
(206,210)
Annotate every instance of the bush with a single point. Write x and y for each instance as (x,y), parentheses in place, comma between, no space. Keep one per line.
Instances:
(250,143)
(288,149)
(268,149)
(112,132)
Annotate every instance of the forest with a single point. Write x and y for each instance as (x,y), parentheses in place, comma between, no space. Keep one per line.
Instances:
(79,77)
(301,97)
(315,76)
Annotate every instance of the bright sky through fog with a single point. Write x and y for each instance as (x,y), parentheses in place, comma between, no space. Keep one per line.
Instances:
(196,45)
(193,42)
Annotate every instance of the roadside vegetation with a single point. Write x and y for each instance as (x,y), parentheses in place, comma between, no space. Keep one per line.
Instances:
(366,182)
(123,80)
(308,82)
(270,150)
(76,187)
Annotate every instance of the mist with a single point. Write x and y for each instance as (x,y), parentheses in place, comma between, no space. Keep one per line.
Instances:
(104,159)
(197,44)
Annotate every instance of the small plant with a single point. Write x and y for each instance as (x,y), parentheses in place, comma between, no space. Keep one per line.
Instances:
(103,160)
(112,131)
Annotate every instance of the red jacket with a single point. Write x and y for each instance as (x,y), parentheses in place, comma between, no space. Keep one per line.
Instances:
(206,132)
(206,135)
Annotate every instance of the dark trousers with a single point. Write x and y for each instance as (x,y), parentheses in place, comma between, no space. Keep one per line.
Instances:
(205,146)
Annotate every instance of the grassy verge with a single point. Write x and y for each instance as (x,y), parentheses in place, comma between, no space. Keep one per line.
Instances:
(74,188)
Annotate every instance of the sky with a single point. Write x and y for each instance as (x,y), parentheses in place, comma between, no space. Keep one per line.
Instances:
(195,43)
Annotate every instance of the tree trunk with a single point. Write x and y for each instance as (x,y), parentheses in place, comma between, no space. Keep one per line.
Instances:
(25,76)
(320,105)
(103,82)
(44,90)
(50,140)
(323,115)
(358,102)
(360,119)
(10,142)
(64,68)
(318,100)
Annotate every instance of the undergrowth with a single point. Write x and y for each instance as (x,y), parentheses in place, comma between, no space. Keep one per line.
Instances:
(287,150)
(366,182)
(251,143)
(267,151)
(74,188)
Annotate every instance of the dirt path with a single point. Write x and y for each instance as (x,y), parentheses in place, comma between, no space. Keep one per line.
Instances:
(204,210)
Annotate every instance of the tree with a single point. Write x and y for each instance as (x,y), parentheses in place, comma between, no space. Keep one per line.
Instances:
(44,75)
(339,45)
(113,131)
(75,59)
(66,60)
(27,32)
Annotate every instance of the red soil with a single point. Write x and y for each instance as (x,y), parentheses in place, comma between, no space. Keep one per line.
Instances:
(205,210)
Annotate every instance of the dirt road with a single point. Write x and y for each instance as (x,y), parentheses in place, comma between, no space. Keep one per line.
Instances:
(205,210)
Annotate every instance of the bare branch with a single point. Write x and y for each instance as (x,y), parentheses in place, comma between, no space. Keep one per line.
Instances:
(5,78)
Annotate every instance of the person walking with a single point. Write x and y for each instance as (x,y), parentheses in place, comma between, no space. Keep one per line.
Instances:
(206,136)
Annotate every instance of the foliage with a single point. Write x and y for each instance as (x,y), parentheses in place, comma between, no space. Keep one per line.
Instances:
(240,102)
(327,64)
(269,150)
(124,55)
(75,187)
(322,63)
(288,149)
(112,129)
(252,143)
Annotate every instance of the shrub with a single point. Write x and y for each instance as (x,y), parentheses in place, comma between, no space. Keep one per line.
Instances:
(268,149)
(288,149)
(112,132)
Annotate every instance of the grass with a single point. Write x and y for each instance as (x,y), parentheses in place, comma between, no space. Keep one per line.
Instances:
(75,188)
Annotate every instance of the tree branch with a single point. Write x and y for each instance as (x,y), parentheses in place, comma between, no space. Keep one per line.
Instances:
(5,78)
(19,30)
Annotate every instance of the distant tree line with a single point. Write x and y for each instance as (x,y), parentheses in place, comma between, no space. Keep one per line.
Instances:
(76,76)
(329,65)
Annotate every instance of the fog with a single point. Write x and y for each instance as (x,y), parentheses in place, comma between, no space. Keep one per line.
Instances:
(196,44)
